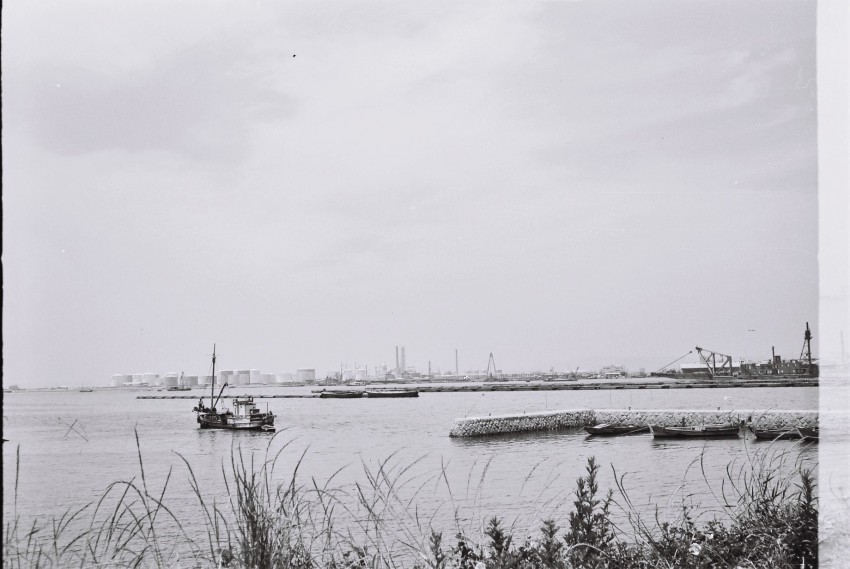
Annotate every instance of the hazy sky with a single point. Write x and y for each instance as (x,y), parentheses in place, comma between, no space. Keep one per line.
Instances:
(312,183)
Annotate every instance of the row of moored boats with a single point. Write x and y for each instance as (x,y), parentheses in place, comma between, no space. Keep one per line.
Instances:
(718,430)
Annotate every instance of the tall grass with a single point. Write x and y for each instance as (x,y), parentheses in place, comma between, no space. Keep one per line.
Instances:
(766,516)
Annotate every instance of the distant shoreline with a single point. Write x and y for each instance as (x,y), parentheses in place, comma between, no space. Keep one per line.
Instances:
(467,386)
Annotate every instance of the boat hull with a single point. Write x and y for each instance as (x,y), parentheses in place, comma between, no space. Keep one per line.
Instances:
(611,430)
(392,393)
(808,434)
(261,423)
(709,431)
(340,394)
(775,434)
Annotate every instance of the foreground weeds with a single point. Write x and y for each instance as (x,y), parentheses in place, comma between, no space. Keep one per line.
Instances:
(766,519)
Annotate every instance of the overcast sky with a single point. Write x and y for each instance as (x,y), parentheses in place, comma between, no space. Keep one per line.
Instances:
(310,184)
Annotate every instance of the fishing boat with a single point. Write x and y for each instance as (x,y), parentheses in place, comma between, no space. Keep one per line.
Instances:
(775,434)
(86,390)
(808,434)
(245,416)
(716,430)
(340,394)
(606,429)
(392,393)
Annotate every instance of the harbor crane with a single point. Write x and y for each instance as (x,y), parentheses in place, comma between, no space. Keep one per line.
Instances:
(491,367)
(710,360)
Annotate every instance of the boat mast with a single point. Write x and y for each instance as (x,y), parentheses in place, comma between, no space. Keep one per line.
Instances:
(212,381)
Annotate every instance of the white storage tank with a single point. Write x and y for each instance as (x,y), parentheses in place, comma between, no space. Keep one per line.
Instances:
(225,376)
(170,379)
(254,376)
(266,378)
(305,374)
(205,380)
(242,376)
(120,379)
(190,380)
(283,378)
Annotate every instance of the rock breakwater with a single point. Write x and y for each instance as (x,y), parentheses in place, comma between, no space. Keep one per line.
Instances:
(577,418)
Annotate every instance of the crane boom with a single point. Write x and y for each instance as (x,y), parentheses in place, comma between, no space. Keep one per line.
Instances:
(710,359)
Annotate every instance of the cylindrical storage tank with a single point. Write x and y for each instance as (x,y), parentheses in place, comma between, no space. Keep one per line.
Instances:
(225,376)
(305,374)
(205,379)
(151,379)
(170,379)
(254,376)
(190,380)
(283,378)
(120,379)
(138,377)
(242,376)
(266,378)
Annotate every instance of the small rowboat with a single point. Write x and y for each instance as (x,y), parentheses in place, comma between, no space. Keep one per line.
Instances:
(775,434)
(705,431)
(808,434)
(606,429)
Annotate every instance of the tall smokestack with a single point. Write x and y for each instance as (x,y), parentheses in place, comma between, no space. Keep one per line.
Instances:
(396,361)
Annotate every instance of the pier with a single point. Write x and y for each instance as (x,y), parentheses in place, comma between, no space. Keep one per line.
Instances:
(577,418)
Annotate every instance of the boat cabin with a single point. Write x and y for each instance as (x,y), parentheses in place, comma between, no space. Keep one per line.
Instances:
(244,407)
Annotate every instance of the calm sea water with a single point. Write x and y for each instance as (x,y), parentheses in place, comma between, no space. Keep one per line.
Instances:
(73,445)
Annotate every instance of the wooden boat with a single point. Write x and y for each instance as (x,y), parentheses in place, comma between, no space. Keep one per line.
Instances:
(808,434)
(775,434)
(716,430)
(392,393)
(606,429)
(341,394)
(245,415)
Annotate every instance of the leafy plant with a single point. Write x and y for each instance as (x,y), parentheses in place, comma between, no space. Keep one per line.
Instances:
(590,530)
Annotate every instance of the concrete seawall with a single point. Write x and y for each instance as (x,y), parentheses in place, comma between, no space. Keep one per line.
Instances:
(577,418)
